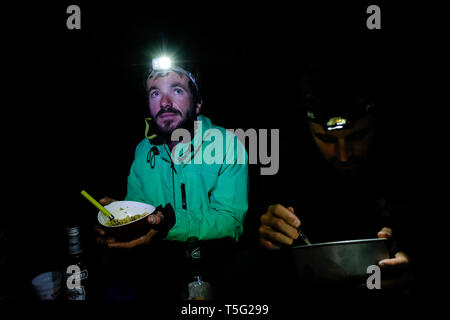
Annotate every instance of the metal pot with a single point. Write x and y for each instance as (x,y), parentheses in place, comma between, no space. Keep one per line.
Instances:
(339,261)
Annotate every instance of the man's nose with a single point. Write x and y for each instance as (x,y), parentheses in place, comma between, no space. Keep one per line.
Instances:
(165,101)
(343,152)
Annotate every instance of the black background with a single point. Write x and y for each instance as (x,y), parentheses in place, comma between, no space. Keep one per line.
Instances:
(79,105)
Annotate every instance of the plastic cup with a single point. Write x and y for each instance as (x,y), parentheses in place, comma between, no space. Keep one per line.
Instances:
(48,285)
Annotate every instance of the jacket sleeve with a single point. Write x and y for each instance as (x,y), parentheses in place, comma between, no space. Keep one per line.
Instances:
(134,186)
(228,204)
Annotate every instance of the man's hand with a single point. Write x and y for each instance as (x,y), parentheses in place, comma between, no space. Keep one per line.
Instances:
(278,227)
(400,262)
(153,219)
(102,239)
(400,259)
(106,200)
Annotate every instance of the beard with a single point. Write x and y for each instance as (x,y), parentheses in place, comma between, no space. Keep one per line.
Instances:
(165,127)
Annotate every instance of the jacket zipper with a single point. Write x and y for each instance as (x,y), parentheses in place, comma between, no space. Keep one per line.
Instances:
(173,188)
(183,196)
(173,178)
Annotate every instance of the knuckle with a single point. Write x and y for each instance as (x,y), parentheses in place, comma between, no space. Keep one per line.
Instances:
(262,230)
(264,218)
(266,244)
(279,224)
(279,237)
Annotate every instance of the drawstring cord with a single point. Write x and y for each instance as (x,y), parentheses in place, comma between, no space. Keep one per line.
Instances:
(151,155)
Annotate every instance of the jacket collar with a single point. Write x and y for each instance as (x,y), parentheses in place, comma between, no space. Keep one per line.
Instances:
(196,142)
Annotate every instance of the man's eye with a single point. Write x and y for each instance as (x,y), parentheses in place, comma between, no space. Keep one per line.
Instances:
(358,135)
(154,94)
(326,138)
(178,91)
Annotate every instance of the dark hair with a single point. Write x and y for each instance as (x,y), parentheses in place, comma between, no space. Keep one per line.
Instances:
(338,86)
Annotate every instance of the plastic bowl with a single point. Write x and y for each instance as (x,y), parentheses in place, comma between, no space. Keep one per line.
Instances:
(339,261)
(122,209)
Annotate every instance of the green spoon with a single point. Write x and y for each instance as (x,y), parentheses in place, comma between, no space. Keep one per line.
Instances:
(102,209)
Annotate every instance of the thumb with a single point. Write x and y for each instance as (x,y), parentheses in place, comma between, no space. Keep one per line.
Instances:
(154,219)
(291,209)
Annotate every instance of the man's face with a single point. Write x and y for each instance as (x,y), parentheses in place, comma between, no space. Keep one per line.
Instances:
(170,102)
(345,149)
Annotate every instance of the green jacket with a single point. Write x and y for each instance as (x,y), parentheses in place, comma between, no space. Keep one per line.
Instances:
(210,198)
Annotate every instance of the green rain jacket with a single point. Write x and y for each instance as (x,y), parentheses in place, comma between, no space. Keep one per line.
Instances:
(207,184)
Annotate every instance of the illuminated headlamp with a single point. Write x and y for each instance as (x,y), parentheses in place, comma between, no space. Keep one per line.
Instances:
(336,123)
(164,64)
(346,119)
(333,123)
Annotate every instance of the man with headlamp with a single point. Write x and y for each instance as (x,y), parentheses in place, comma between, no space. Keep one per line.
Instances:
(207,201)
(337,186)
(202,199)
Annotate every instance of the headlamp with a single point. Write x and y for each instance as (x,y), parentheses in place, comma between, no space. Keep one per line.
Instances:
(336,123)
(164,64)
(342,120)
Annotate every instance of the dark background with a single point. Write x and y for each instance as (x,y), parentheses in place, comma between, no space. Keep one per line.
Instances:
(79,102)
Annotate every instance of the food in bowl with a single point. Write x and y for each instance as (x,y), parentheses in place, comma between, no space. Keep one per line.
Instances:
(132,219)
(127,219)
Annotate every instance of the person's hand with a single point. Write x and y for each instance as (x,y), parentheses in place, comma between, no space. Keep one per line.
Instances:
(106,200)
(104,240)
(154,219)
(400,262)
(278,227)
(400,258)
